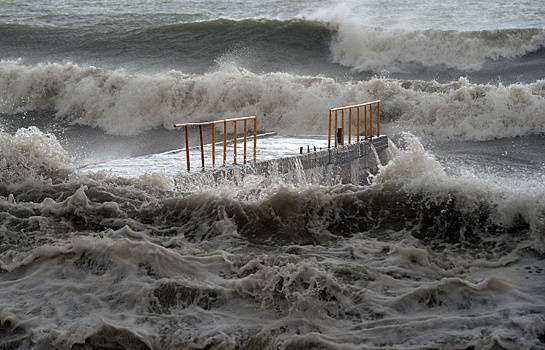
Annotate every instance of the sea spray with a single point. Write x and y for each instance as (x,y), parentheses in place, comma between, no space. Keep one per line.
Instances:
(116,101)
(375,49)
(30,154)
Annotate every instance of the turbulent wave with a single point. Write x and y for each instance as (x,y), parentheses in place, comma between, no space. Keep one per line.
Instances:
(143,267)
(124,103)
(374,49)
(30,154)
(428,200)
(347,42)
(419,258)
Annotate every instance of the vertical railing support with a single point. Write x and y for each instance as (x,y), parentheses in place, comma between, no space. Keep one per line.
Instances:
(245,127)
(365,120)
(329,130)
(350,126)
(358,123)
(336,130)
(213,140)
(371,121)
(342,126)
(187,160)
(255,139)
(224,142)
(234,142)
(378,118)
(202,146)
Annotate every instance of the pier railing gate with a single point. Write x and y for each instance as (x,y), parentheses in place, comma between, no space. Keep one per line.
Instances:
(226,139)
(368,112)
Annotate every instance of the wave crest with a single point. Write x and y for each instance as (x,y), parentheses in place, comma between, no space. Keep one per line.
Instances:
(374,49)
(349,43)
(31,154)
(122,103)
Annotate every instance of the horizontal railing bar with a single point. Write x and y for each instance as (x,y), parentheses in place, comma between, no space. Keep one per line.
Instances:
(236,118)
(354,106)
(192,124)
(215,121)
(219,143)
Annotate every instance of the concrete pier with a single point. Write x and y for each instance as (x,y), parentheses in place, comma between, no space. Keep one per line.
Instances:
(341,161)
(350,163)
(353,149)
(277,156)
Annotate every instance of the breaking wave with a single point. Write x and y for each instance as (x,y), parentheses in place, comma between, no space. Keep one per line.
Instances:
(419,258)
(428,201)
(349,43)
(374,49)
(139,266)
(30,154)
(124,103)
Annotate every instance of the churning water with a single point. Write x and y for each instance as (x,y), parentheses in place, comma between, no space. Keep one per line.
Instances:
(444,250)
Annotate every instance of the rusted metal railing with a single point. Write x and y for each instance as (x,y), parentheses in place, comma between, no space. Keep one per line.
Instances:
(234,139)
(371,124)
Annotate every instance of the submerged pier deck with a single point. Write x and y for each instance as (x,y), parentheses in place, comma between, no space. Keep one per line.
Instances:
(271,147)
(346,155)
(281,153)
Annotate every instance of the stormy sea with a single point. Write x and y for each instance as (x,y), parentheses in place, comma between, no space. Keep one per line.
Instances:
(444,249)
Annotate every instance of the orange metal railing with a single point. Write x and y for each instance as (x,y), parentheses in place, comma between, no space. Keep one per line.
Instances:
(370,124)
(234,139)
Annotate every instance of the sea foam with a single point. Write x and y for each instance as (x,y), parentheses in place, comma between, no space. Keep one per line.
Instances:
(124,103)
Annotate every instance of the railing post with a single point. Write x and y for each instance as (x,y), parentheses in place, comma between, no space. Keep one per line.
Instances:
(339,131)
(213,138)
(342,126)
(202,146)
(329,130)
(378,119)
(336,130)
(349,125)
(365,120)
(371,120)
(187,160)
(234,142)
(245,134)
(255,138)
(224,142)
(358,124)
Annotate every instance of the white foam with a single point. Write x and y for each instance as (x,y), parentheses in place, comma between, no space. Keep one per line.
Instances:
(125,103)
(510,198)
(374,49)
(137,266)
(30,154)
(391,42)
